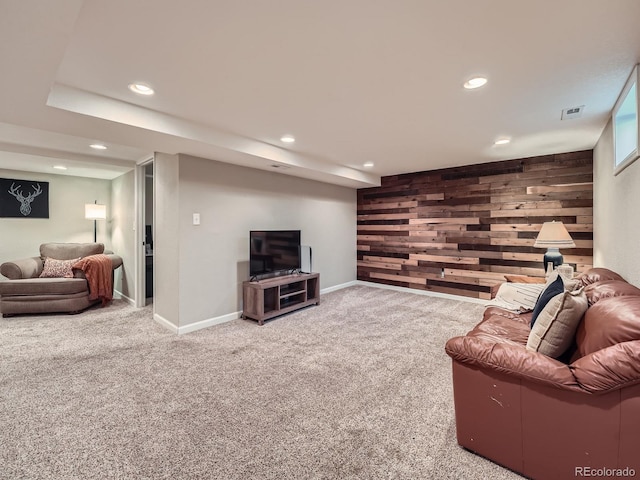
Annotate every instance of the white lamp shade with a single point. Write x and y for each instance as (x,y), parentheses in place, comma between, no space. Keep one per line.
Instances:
(94,211)
(554,235)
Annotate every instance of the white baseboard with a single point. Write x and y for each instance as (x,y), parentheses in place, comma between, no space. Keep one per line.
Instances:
(338,287)
(192,327)
(209,322)
(461,298)
(165,323)
(122,296)
(402,289)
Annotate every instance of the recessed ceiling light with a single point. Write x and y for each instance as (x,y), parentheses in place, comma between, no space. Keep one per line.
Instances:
(475,82)
(502,141)
(141,88)
(59,167)
(98,146)
(287,139)
(367,164)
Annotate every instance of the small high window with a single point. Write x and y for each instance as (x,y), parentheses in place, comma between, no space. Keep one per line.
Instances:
(625,124)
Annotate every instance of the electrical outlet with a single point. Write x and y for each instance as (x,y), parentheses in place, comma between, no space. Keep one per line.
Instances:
(196,219)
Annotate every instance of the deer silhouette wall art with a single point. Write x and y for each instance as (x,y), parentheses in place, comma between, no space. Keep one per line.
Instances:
(25,202)
(19,198)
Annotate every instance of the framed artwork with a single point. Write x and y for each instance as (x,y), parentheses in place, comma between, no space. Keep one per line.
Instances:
(24,198)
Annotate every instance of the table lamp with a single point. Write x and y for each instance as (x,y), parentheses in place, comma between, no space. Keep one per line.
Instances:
(553,236)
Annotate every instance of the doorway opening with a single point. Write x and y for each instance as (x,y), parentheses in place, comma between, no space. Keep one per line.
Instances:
(148,232)
(145,234)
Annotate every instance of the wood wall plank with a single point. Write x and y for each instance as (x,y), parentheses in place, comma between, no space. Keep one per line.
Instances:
(460,230)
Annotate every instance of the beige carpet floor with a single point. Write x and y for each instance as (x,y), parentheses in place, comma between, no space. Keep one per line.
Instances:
(358,387)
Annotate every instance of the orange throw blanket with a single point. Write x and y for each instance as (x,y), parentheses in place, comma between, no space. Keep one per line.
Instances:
(98,270)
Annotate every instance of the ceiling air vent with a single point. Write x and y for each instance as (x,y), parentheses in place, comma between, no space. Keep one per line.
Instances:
(573,112)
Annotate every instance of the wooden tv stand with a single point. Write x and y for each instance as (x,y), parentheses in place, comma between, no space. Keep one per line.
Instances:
(271,297)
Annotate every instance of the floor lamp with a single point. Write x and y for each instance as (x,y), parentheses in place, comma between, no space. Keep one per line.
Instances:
(95,212)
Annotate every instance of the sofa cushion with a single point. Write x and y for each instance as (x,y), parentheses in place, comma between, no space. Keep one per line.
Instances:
(509,358)
(610,321)
(609,288)
(43,286)
(67,251)
(554,330)
(502,329)
(594,275)
(54,268)
(524,318)
(554,288)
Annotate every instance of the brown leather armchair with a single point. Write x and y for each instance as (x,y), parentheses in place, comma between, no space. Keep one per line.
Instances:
(549,418)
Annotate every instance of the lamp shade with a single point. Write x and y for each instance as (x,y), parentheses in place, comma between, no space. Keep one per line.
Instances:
(554,235)
(94,211)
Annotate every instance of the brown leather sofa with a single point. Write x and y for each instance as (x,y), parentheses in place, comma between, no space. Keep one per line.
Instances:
(24,292)
(546,418)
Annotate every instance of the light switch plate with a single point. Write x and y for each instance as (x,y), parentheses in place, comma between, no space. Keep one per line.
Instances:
(196,219)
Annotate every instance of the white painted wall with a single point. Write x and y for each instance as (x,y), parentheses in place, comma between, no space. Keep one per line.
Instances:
(615,215)
(21,237)
(166,245)
(231,201)
(122,233)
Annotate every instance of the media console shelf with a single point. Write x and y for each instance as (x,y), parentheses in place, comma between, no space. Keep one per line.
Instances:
(265,299)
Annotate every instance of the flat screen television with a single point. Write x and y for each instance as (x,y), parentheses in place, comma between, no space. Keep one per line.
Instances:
(273,252)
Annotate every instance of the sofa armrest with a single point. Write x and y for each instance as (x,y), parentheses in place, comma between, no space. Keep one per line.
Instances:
(116,260)
(511,359)
(594,372)
(24,268)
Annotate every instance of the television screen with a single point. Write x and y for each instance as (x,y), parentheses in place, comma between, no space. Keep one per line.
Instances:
(273,251)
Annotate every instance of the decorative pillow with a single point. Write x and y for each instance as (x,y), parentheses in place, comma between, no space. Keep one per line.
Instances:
(54,268)
(524,279)
(517,297)
(556,287)
(555,328)
(572,284)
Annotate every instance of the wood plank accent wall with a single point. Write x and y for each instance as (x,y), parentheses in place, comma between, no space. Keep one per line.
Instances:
(460,230)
